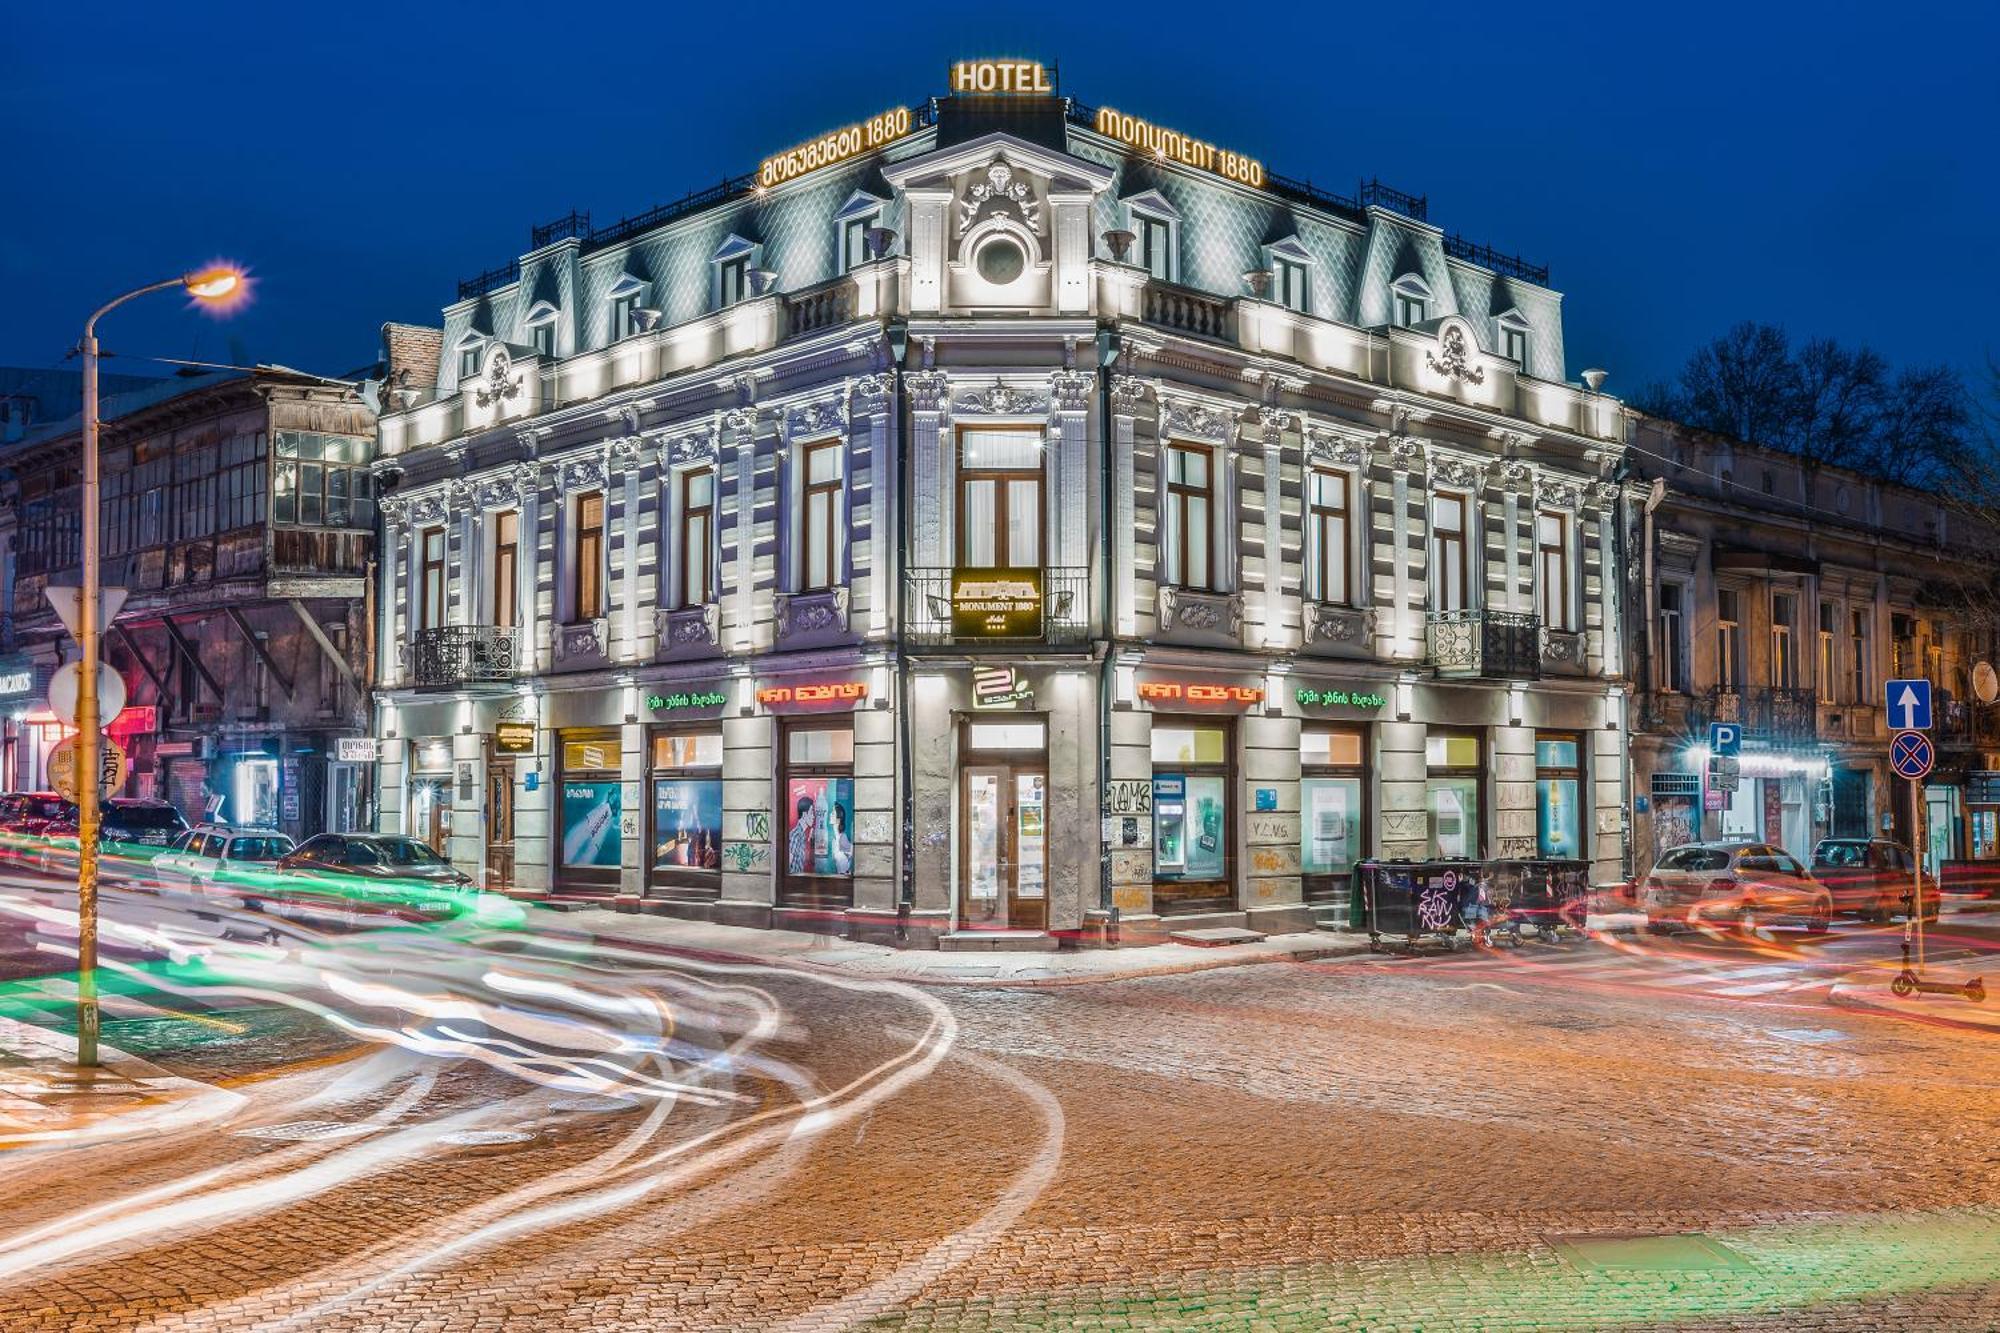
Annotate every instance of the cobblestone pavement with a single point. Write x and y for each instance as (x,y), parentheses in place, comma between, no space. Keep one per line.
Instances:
(1477,1142)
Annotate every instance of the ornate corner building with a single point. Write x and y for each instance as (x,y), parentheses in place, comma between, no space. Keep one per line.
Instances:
(991,517)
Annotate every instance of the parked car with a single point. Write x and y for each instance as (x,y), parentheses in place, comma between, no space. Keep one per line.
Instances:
(140,823)
(31,811)
(1870,877)
(209,853)
(355,878)
(1733,884)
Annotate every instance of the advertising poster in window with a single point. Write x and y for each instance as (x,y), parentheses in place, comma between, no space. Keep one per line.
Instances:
(1031,837)
(1557,811)
(687,823)
(1332,818)
(1188,827)
(590,824)
(820,812)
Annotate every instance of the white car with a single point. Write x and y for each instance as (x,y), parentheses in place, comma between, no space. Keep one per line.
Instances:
(212,853)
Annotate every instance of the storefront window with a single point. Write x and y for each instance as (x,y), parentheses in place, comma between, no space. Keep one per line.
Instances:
(1332,807)
(1454,769)
(818,793)
(1191,818)
(686,787)
(591,801)
(1558,791)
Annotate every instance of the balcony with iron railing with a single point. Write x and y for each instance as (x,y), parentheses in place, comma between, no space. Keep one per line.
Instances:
(1782,716)
(996,607)
(1490,645)
(459,655)
(1965,722)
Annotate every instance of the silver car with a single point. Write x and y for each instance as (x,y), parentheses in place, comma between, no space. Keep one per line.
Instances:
(1734,884)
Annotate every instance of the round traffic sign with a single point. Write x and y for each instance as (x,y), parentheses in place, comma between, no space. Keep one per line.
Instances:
(111,767)
(64,689)
(1911,754)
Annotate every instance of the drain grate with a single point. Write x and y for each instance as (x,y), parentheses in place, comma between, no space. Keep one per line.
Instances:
(305,1131)
(1688,1252)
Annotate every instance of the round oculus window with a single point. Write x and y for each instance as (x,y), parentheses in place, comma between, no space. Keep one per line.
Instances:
(1001,261)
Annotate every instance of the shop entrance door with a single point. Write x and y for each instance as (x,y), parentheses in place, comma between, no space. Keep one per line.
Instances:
(1005,856)
(499,823)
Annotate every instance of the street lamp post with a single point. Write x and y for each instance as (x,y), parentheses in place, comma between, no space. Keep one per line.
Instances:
(211,286)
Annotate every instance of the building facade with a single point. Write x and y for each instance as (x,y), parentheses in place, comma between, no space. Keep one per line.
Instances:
(1001,516)
(238,514)
(1782,598)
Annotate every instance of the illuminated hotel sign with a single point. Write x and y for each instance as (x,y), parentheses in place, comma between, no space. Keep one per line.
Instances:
(1178,147)
(996,603)
(822,692)
(17,682)
(1311,698)
(1198,692)
(837,146)
(1014,78)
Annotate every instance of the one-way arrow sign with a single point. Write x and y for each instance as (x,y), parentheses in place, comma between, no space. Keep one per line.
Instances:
(1909,703)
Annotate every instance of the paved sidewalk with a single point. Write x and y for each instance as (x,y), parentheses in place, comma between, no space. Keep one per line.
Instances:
(46,1101)
(1870,990)
(933,967)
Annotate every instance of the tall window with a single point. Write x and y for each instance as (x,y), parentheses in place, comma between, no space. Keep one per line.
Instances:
(1857,656)
(542,337)
(1156,246)
(1902,646)
(468,361)
(999,499)
(818,539)
(1514,343)
(587,572)
(1288,281)
(697,542)
(1829,620)
(1552,569)
(733,275)
(1411,299)
(1784,615)
(1670,665)
(430,579)
(506,568)
(854,241)
(1190,499)
(1449,574)
(624,316)
(1728,640)
(1454,770)
(1327,508)
(1558,795)
(322,481)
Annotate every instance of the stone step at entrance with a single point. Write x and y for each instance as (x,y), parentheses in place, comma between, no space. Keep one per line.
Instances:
(1217,937)
(998,941)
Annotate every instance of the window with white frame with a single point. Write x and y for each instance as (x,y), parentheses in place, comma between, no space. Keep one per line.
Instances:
(1410,300)
(695,546)
(1670,672)
(542,337)
(469,348)
(733,261)
(506,595)
(819,516)
(1552,567)
(1329,510)
(1156,230)
(1857,656)
(1288,283)
(1784,626)
(1190,509)
(1450,571)
(1825,678)
(854,242)
(1514,339)
(586,549)
(627,297)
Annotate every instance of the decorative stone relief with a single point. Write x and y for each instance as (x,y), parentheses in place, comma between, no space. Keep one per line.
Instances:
(697,446)
(1556,493)
(1070,390)
(1326,623)
(582,643)
(1328,446)
(688,627)
(742,420)
(1605,494)
(1406,453)
(1515,476)
(1212,612)
(871,393)
(499,383)
(498,492)
(820,612)
(929,390)
(1452,358)
(824,416)
(1128,394)
(1001,400)
(1190,418)
(1457,472)
(394,512)
(428,508)
(999,186)
(1562,646)
(581,474)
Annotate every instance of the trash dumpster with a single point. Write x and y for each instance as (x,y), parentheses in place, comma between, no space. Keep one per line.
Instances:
(1546,895)
(1416,902)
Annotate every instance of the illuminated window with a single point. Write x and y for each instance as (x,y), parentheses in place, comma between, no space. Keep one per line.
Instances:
(854,242)
(506,568)
(1728,640)
(1829,621)
(1327,510)
(1514,339)
(1450,570)
(468,357)
(1670,668)
(697,501)
(734,261)
(1857,657)
(1288,284)
(624,316)
(1156,229)
(734,277)
(999,499)
(430,580)
(1559,795)
(1784,618)
(1411,300)
(587,573)
(820,517)
(1189,506)
(1552,569)
(541,325)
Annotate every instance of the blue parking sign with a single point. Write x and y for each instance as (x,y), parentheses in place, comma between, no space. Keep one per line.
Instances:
(1909,704)
(1725,738)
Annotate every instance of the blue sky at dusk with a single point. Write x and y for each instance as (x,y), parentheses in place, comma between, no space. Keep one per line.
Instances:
(1829,167)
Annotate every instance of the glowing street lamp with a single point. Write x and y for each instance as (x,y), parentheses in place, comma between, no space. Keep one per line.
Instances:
(219,287)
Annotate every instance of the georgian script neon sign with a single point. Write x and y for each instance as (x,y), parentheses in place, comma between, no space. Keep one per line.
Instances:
(820,692)
(834,146)
(1198,692)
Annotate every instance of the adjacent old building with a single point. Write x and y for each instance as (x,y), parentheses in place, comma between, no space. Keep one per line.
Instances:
(1001,514)
(1781,597)
(238,514)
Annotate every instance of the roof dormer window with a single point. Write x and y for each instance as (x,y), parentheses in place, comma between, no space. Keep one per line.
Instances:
(1515,337)
(736,263)
(861,214)
(1288,262)
(469,349)
(541,326)
(1410,300)
(1156,225)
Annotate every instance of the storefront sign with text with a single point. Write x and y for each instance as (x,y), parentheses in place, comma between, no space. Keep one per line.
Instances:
(996,603)
(514,737)
(1198,692)
(1312,698)
(815,694)
(680,699)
